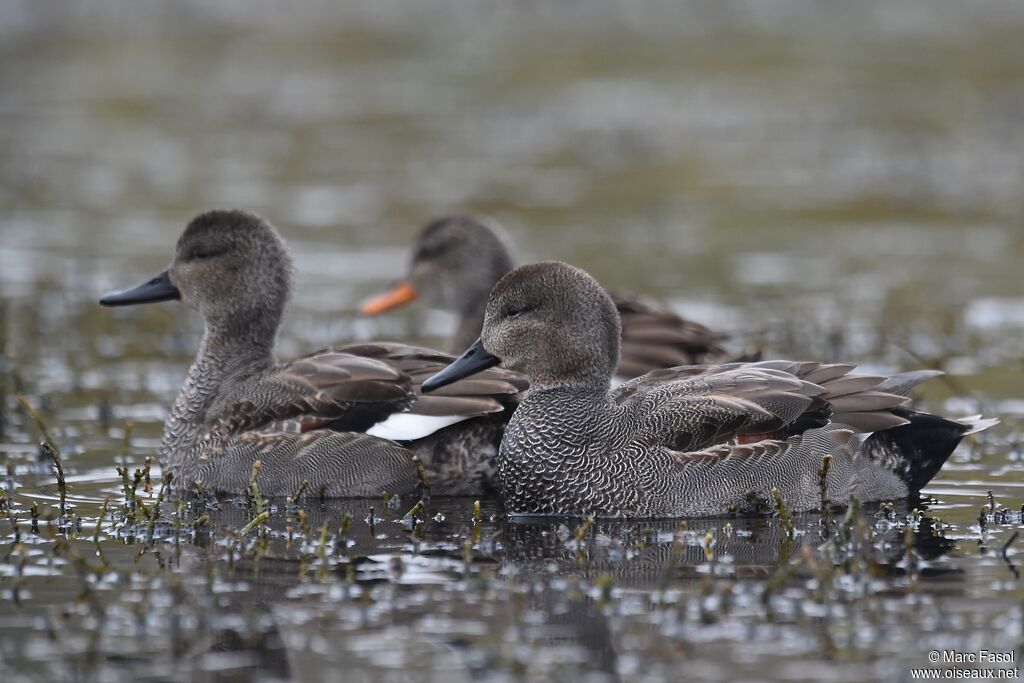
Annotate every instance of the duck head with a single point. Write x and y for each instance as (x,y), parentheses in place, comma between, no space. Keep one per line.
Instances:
(549,320)
(455,262)
(230,265)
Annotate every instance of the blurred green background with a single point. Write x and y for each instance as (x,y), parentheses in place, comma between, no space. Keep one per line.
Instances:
(755,162)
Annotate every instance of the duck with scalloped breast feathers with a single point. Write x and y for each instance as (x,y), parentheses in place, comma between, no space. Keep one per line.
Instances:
(685,441)
(348,420)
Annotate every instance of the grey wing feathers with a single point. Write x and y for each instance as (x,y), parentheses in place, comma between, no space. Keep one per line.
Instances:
(655,337)
(326,385)
(859,401)
(699,410)
(903,383)
(353,387)
(781,388)
(490,391)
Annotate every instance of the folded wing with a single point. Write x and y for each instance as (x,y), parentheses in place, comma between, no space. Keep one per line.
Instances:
(346,391)
(487,392)
(696,407)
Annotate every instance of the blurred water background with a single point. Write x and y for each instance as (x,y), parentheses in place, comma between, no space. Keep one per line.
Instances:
(829,180)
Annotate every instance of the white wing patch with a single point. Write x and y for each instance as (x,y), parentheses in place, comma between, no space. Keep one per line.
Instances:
(407,427)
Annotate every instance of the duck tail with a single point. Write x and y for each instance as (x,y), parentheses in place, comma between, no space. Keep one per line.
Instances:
(977,423)
(916,451)
(903,383)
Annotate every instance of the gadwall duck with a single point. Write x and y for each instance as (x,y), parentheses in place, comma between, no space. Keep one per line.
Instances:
(688,441)
(457,260)
(347,420)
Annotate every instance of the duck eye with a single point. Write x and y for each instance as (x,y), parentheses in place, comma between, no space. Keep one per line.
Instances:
(202,253)
(514,312)
(428,252)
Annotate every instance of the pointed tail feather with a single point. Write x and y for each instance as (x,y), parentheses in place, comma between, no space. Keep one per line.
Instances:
(977,423)
(903,383)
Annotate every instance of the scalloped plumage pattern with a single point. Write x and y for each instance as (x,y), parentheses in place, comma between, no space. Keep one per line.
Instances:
(667,448)
(692,440)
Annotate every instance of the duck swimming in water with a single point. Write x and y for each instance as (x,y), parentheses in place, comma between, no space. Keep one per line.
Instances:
(686,441)
(340,404)
(457,260)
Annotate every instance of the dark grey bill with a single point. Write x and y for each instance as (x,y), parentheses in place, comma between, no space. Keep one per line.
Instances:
(157,288)
(473,360)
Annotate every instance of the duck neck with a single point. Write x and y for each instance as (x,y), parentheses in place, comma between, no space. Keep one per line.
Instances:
(235,357)
(590,396)
(583,380)
(476,289)
(223,361)
(471,321)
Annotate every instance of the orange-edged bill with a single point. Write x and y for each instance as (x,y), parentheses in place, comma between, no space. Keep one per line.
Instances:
(402,293)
